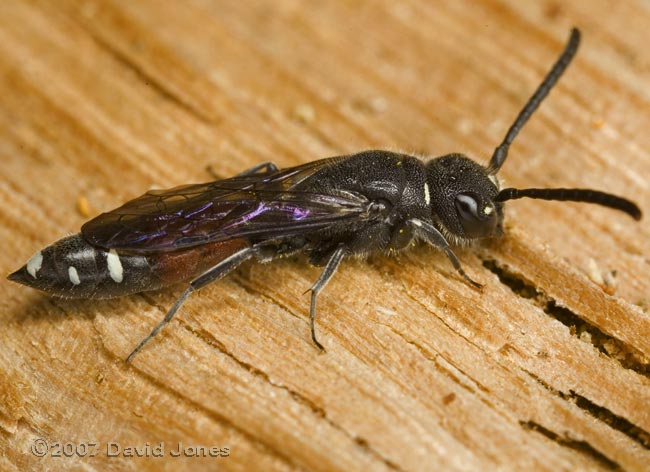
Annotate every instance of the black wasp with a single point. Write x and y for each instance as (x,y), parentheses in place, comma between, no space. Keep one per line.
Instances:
(329,209)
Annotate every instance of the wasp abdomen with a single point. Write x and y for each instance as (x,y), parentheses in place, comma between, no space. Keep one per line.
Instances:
(72,268)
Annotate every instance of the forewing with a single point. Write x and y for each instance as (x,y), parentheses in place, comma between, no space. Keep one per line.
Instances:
(257,206)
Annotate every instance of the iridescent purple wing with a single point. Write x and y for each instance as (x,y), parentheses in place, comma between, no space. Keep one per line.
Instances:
(256,206)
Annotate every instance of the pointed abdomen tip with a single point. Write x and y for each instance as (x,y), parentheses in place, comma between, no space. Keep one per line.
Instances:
(18,276)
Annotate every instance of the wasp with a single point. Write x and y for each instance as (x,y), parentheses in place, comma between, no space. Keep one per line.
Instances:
(328,209)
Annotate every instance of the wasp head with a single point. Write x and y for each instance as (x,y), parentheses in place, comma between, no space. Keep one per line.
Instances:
(463,198)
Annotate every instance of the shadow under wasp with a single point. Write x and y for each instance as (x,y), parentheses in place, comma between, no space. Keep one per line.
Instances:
(329,209)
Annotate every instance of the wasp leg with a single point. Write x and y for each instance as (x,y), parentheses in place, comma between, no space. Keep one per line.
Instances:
(262,169)
(437,240)
(325,276)
(213,274)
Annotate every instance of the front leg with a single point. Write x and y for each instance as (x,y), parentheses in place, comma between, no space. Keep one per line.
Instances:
(436,239)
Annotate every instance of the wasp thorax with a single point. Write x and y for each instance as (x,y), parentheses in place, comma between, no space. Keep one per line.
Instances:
(463,195)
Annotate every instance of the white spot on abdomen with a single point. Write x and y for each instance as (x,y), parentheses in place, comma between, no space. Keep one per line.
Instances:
(114,266)
(73,275)
(427,195)
(35,263)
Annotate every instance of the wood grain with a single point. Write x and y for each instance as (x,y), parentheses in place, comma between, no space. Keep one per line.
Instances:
(548,368)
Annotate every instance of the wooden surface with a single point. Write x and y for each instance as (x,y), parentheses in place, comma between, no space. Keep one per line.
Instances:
(546,369)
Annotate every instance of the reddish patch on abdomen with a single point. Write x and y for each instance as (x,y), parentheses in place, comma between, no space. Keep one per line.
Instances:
(184,264)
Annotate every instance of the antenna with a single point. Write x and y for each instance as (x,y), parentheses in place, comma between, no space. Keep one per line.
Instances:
(573,195)
(501,152)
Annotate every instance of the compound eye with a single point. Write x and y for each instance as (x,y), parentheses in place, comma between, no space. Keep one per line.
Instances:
(467,207)
(476,222)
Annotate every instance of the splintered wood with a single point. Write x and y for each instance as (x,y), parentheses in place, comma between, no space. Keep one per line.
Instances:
(546,368)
